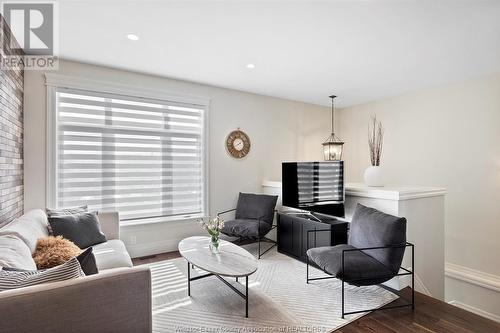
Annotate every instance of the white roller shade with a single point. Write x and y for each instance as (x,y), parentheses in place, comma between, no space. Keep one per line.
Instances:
(141,157)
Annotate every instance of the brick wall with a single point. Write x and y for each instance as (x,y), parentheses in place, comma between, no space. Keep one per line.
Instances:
(11,137)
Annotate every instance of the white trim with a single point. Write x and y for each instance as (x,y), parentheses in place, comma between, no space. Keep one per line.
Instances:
(392,193)
(206,160)
(472,276)
(405,281)
(475,310)
(388,193)
(51,149)
(65,81)
(420,286)
(162,219)
(270,183)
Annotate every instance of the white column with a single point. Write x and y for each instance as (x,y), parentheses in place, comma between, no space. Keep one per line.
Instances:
(423,208)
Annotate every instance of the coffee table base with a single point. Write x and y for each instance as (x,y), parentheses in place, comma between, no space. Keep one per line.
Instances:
(244,296)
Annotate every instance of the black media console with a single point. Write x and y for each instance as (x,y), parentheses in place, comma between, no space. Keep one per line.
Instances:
(293,227)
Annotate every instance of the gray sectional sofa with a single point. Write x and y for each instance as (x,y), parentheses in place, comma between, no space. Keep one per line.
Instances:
(118,299)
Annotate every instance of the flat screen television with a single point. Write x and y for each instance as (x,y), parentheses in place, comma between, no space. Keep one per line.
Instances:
(314,186)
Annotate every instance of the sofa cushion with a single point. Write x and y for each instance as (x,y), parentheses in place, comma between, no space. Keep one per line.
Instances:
(111,254)
(357,265)
(256,206)
(246,228)
(82,229)
(29,227)
(53,251)
(66,271)
(15,253)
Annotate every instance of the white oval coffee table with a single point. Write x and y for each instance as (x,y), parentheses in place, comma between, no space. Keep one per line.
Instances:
(232,261)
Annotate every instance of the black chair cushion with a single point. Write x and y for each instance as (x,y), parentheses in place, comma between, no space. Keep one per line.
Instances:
(256,206)
(370,228)
(246,228)
(357,265)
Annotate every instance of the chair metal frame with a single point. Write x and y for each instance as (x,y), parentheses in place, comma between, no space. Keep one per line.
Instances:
(259,240)
(405,272)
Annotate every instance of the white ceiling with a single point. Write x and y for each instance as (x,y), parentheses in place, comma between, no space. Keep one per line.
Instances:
(303,50)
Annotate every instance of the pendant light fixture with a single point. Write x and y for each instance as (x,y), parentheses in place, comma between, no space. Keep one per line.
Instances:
(332,147)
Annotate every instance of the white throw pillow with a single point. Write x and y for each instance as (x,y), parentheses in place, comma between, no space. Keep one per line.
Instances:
(29,227)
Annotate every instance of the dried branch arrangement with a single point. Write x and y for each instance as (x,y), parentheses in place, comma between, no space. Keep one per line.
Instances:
(375,140)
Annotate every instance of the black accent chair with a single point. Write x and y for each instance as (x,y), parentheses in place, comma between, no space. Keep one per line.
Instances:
(253,219)
(377,243)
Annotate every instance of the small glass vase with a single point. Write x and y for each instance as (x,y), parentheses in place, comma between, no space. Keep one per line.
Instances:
(214,244)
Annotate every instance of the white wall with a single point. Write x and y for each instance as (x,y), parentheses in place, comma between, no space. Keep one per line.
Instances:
(449,137)
(279,129)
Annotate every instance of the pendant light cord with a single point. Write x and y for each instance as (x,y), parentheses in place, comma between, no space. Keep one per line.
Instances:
(333,113)
(333,116)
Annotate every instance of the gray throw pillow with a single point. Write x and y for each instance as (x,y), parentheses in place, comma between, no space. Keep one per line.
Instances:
(82,229)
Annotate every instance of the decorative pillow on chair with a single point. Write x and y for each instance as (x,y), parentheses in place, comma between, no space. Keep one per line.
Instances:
(12,280)
(370,228)
(54,251)
(256,206)
(83,229)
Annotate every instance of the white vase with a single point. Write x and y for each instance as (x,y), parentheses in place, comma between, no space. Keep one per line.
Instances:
(374,176)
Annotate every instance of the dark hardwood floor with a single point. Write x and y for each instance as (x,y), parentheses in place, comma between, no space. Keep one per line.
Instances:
(430,315)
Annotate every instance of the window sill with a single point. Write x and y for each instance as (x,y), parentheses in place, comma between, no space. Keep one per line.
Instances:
(155,220)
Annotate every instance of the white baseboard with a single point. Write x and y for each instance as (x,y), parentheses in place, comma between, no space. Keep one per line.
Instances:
(419,284)
(476,278)
(475,310)
(154,238)
(473,276)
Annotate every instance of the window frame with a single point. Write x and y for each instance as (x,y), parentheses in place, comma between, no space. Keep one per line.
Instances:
(54,81)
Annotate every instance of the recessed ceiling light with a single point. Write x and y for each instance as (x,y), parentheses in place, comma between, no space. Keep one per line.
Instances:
(132,37)
(250,66)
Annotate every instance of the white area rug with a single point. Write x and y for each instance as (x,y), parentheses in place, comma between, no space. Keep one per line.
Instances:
(279,301)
